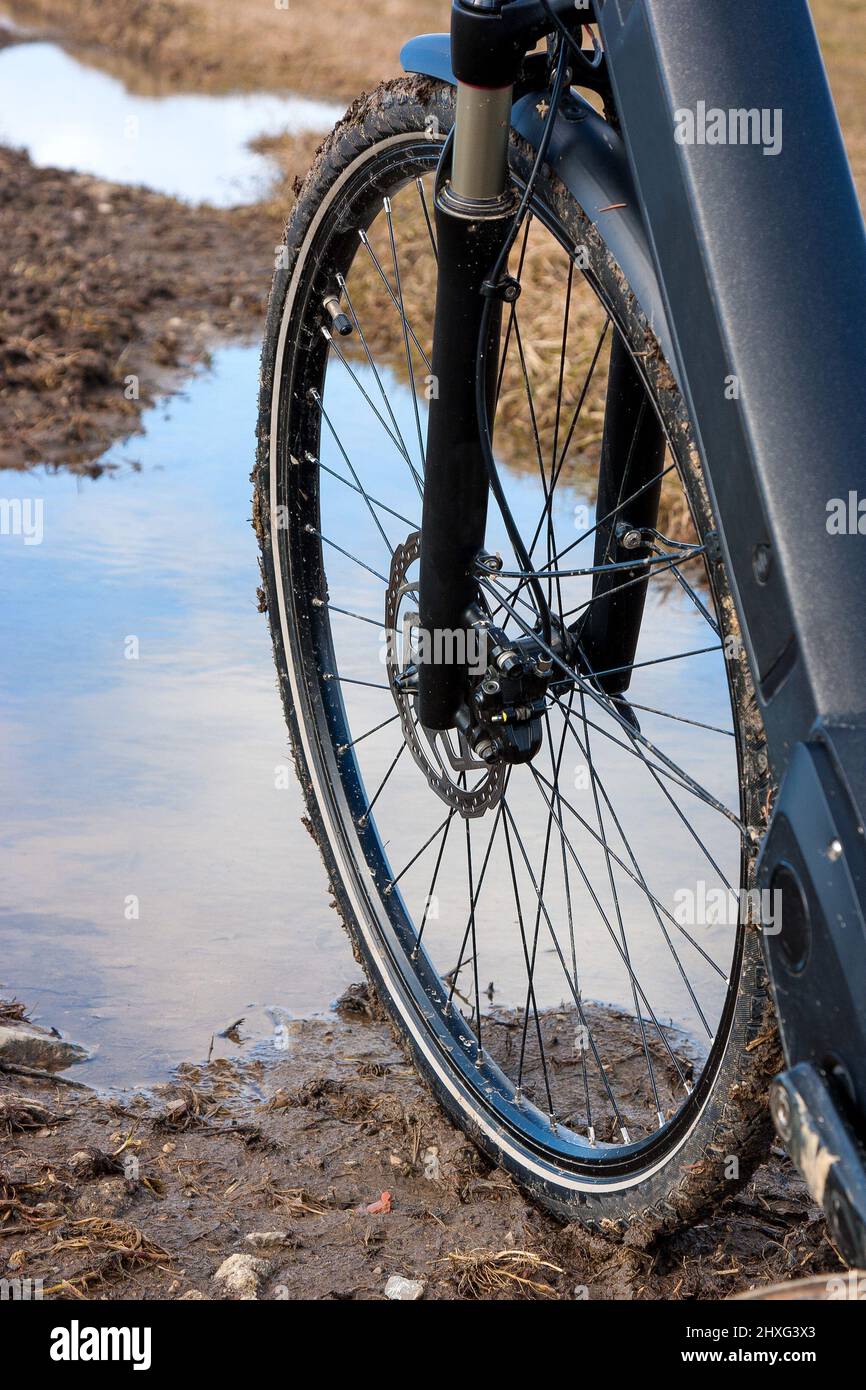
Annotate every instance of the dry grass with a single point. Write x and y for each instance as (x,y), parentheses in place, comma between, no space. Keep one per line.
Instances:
(113,1250)
(19,1114)
(515,1273)
(13,1011)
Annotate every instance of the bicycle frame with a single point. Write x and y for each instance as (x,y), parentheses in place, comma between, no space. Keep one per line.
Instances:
(751,269)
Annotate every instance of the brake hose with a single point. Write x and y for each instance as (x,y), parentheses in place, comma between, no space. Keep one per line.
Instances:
(493,289)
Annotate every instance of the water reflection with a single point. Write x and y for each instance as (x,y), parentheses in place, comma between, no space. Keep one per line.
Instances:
(153,778)
(70,116)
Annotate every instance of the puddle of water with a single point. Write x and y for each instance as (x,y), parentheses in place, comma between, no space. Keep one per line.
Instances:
(164,778)
(70,116)
(151,776)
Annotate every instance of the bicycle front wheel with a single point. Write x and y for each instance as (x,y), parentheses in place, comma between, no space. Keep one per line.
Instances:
(562,944)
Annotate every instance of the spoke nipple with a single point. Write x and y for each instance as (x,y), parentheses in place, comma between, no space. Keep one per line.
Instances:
(318,603)
(362,820)
(592,1135)
(553,1121)
(479,1057)
(389,888)
(687,1087)
(310,529)
(414,953)
(625,1135)
(518,1096)
(661,1119)
(386,204)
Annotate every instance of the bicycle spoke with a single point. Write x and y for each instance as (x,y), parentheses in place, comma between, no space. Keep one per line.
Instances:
(407,327)
(578,1002)
(626,962)
(651,898)
(347,613)
(627,846)
(331,340)
(622,933)
(362,821)
(429,898)
(582,684)
(556,764)
(344,747)
(418,480)
(409,366)
(422,195)
(530,976)
(392,882)
(374,501)
(681,719)
(326,540)
(377,523)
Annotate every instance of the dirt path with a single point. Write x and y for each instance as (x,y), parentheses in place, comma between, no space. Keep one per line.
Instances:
(147,1196)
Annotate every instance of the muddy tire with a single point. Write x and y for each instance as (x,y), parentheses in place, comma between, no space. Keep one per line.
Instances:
(714,1145)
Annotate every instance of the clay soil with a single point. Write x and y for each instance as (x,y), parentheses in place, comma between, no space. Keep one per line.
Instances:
(336,1152)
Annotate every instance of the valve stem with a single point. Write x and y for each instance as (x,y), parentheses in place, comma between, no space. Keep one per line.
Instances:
(342,323)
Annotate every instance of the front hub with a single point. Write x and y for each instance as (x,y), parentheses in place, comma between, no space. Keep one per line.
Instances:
(504,688)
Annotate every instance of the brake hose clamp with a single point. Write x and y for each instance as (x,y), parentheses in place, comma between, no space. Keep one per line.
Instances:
(507,289)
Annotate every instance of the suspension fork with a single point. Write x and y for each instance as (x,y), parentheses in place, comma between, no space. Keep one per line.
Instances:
(474,208)
(473,212)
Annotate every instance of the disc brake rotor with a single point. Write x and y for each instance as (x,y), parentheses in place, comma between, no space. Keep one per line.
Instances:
(451,768)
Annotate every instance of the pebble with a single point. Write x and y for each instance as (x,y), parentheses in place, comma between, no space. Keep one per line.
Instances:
(240,1276)
(404,1290)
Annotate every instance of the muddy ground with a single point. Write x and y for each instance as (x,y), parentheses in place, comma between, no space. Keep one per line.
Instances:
(114,294)
(331,1164)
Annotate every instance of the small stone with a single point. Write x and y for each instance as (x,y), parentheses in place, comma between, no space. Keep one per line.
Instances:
(432,1166)
(193,1296)
(240,1275)
(404,1290)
